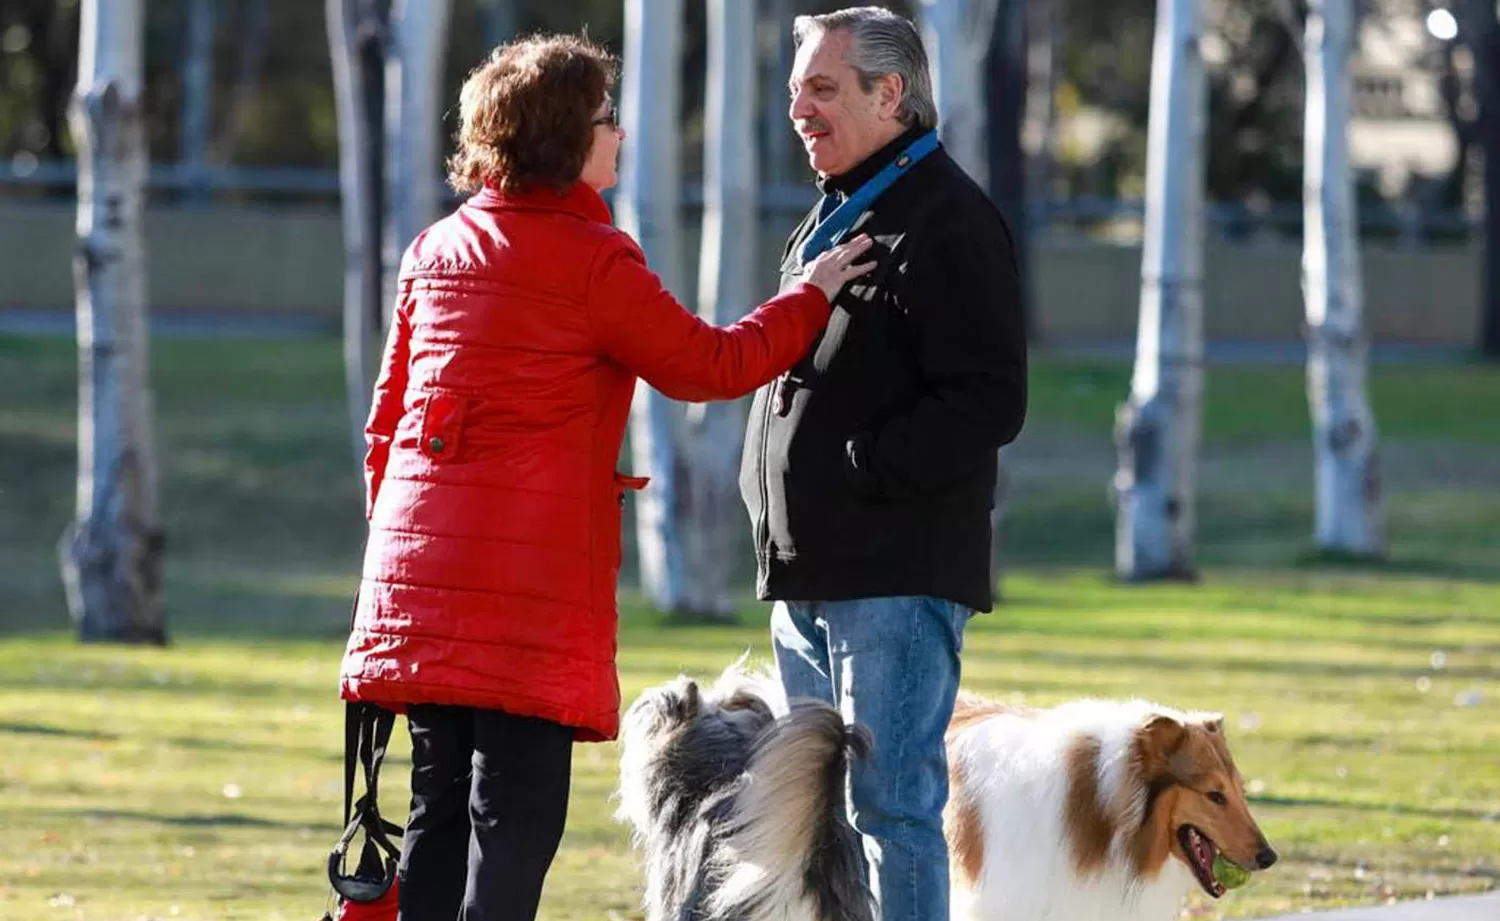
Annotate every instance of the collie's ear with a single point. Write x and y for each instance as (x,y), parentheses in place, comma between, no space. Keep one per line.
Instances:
(1214,723)
(1160,738)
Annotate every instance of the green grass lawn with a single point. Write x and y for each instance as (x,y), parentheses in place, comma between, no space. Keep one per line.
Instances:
(203,780)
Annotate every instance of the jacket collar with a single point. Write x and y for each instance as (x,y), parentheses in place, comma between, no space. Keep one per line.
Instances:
(579,199)
(847,182)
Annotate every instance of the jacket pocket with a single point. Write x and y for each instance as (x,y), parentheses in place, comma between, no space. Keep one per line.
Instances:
(442,418)
(623,483)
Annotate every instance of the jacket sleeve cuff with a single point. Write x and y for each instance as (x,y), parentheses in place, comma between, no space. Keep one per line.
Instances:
(857,465)
(812,290)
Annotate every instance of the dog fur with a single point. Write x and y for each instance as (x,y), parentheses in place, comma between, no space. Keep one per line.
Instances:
(1077,813)
(1082,812)
(736,803)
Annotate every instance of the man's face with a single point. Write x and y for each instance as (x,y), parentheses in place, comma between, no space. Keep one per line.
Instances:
(840,124)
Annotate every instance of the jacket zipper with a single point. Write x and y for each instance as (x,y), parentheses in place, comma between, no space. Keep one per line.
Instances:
(763,523)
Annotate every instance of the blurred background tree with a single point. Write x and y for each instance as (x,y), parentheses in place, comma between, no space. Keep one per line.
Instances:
(271,101)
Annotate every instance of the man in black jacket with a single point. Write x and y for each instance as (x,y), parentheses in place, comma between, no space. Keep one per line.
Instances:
(869,468)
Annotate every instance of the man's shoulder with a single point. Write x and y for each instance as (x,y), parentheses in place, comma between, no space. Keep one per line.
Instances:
(939,201)
(943,208)
(944,187)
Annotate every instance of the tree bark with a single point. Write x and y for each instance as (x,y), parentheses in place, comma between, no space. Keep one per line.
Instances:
(1157,429)
(715,432)
(197,98)
(111,554)
(1008,91)
(647,209)
(979,81)
(1349,519)
(253,33)
(1007,69)
(776,63)
(1480,31)
(388,83)
(358,36)
(957,35)
(1044,42)
(413,131)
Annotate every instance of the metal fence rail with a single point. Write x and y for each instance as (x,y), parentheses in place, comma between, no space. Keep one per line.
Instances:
(1227,219)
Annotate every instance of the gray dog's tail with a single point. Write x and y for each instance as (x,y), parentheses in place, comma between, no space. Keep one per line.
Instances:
(789,841)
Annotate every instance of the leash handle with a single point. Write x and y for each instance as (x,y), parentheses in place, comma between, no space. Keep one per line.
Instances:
(367,737)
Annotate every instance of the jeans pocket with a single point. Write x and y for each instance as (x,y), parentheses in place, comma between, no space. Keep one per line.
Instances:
(959,615)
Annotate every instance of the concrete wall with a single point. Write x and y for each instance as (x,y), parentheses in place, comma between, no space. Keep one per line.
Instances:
(290,259)
(1091,290)
(287,259)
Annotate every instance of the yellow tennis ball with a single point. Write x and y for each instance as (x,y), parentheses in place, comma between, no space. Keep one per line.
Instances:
(1229,874)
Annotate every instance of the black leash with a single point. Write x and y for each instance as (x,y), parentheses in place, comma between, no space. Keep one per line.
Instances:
(367,735)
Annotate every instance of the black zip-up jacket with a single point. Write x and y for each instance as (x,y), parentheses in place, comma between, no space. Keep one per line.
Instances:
(869,468)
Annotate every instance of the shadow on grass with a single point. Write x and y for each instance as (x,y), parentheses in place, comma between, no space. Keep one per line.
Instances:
(1397,809)
(1250,666)
(1435,532)
(57,732)
(197,687)
(332,753)
(206,602)
(217,820)
(1332,561)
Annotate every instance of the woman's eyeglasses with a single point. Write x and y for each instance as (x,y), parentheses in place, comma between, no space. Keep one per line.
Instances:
(610,118)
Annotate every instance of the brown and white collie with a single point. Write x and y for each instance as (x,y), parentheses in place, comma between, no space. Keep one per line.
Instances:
(1092,810)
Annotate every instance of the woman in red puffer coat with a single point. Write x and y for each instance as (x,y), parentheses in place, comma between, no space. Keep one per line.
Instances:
(487,605)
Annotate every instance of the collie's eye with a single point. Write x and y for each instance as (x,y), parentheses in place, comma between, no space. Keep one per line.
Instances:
(1218,799)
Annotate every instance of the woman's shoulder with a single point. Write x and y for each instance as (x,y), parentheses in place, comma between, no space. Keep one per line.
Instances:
(440,247)
(570,229)
(468,239)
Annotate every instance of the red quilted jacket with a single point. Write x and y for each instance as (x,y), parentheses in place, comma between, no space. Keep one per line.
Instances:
(522,323)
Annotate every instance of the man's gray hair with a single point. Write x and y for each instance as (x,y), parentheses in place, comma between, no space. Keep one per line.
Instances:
(880,43)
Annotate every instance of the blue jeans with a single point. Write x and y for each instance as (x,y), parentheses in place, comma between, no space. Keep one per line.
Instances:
(892,666)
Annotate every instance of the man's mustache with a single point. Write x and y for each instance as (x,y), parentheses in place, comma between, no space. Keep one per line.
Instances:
(812,125)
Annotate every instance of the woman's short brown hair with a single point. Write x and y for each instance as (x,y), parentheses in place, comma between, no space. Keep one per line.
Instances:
(526,114)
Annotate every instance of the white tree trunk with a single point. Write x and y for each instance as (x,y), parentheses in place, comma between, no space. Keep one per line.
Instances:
(1349,519)
(358,33)
(775,44)
(1157,430)
(647,209)
(388,84)
(957,35)
(711,511)
(111,554)
(413,130)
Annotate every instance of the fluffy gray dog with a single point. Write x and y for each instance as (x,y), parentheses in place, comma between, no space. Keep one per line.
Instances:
(736,802)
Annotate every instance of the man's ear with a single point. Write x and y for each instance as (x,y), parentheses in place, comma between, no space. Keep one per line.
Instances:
(890,89)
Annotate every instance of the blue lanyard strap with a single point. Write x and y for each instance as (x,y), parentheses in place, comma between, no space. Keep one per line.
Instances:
(832,225)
